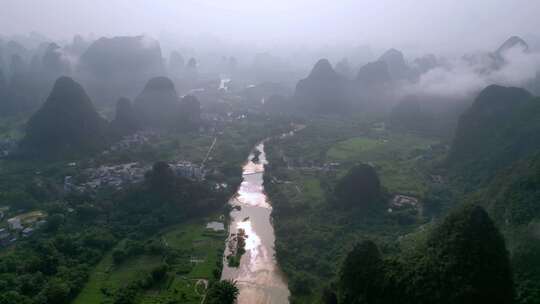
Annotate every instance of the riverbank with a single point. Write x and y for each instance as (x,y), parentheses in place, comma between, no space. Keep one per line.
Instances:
(258,276)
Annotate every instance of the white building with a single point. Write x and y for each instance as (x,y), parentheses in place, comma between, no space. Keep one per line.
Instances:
(15,223)
(27,231)
(188,170)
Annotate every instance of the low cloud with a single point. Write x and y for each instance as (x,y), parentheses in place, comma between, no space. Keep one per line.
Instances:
(459,78)
(520,68)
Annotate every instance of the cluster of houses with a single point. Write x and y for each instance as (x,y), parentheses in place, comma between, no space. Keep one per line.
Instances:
(132,141)
(117,176)
(6,146)
(309,165)
(22,225)
(400,201)
(188,170)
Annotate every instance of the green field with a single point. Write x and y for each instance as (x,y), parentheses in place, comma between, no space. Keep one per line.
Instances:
(351,148)
(396,159)
(107,276)
(200,250)
(393,146)
(304,187)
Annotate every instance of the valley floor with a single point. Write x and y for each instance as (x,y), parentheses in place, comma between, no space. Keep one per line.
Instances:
(312,234)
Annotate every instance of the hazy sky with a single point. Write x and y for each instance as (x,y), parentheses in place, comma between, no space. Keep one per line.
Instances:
(422,24)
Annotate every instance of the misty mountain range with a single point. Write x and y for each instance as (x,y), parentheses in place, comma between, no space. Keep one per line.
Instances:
(114,67)
(269,152)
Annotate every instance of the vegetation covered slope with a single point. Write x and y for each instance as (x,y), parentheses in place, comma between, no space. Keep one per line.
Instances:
(463,260)
(66,123)
(158,105)
(500,127)
(323,91)
(495,158)
(512,198)
(514,193)
(360,188)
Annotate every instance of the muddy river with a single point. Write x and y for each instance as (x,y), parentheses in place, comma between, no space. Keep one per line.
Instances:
(258,276)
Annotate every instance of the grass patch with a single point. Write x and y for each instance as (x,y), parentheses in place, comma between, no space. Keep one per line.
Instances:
(199,258)
(350,148)
(311,189)
(91,292)
(396,158)
(201,245)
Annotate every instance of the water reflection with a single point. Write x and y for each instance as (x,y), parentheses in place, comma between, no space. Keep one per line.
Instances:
(258,276)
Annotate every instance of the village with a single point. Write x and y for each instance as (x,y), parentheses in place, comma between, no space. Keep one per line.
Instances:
(119,176)
(24,224)
(21,225)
